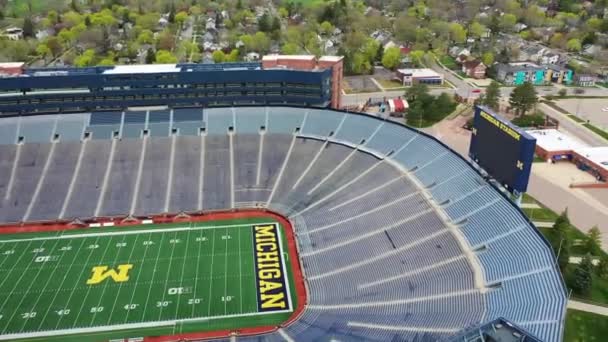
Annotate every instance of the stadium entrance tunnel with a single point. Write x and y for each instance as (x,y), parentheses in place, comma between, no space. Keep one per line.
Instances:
(398,237)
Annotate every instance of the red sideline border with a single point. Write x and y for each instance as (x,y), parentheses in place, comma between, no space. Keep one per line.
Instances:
(300,286)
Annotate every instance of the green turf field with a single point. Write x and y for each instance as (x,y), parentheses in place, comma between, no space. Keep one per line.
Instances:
(147,280)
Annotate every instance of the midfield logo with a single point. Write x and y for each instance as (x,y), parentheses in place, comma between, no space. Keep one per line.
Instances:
(101,273)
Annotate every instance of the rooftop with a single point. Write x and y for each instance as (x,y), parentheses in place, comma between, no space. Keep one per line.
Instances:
(553,140)
(296,57)
(419,72)
(10,65)
(597,155)
(143,69)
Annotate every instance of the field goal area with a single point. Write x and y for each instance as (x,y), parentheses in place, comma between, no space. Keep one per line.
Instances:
(115,283)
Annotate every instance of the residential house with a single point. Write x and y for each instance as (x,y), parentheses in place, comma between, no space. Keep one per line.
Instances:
(252,56)
(531,53)
(381,36)
(520,27)
(457,51)
(591,49)
(520,73)
(474,69)
(585,80)
(549,58)
(13,33)
(389,44)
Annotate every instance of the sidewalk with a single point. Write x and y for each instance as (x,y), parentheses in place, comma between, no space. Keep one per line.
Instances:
(596,309)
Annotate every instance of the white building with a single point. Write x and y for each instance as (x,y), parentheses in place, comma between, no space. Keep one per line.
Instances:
(413,76)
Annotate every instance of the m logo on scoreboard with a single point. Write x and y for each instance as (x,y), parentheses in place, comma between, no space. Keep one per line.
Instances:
(101,273)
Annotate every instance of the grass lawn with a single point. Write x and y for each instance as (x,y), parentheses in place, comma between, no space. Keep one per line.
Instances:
(605,84)
(585,327)
(19,8)
(542,214)
(597,130)
(599,288)
(576,118)
(538,159)
(390,84)
(449,62)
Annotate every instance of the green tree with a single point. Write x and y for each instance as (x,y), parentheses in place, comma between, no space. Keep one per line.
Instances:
(488,58)
(560,240)
(583,276)
(507,22)
(457,33)
(108,61)
(416,57)
(233,56)
(492,96)
(391,58)
(150,56)
(416,91)
(289,49)
(523,98)
(218,56)
(87,58)
(476,30)
(602,267)
(165,57)
(181,17)
(148,21)
(574,44)
(145,37)
(326,27)
(593,241)
(28,28)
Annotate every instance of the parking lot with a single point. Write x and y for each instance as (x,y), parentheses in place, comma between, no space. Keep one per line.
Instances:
(594,110)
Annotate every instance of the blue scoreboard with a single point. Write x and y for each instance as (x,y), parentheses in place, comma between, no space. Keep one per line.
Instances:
(503,150)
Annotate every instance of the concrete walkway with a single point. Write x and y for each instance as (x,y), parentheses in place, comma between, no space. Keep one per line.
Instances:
(596,309)
(530,206)
(540,224)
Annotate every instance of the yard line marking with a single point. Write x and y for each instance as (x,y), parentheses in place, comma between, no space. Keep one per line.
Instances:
(143,315)
(65,277)
(211,282)
(310,165)
(32,282)
(225,274)
(4,260)
(152,324)
(68,196)
(133,248)
(201,173)
(84,300)
(198,262)
(11,180)
(105,285)
(45,170)
(260,155)
(181,277)
(125,232)
(170,175)
(283,167)
(106,178)
(231,154)
(137,278)
(25,250)
(140,168)
(55,267)
(61,285)
(160,313)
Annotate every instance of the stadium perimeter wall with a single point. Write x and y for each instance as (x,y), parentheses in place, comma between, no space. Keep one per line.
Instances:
(126,222)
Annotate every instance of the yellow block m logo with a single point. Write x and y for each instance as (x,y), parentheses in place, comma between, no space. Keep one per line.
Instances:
(100,273)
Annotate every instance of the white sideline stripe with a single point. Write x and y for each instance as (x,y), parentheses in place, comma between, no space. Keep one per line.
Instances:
(128,232)
(344,161)
(310,165)
(68,196)
(394,302)
(201,174)
(371,191)
(231,155)
(369,234)
(260,156)
(106,178)
(140,325)
(283,167)
(403,198)
(407,274)
(11,181)
(379,256)
(347,184)
(140,169)
(170,175)
(401,328)
(45,170)
(285,336)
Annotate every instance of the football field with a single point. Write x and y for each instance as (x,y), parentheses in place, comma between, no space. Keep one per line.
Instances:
(147,280)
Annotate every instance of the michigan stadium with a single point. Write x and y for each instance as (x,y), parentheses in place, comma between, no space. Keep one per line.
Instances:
(237,202)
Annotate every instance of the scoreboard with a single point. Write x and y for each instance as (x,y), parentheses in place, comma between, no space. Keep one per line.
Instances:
(502,149)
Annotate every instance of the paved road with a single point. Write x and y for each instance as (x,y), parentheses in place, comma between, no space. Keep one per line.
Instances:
(463,88)
(596,309)
(574,128)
